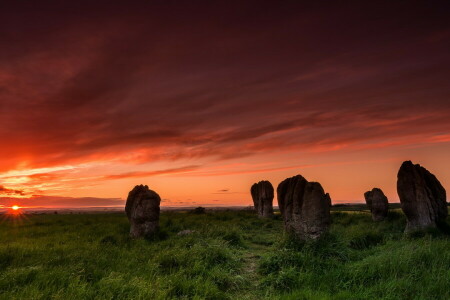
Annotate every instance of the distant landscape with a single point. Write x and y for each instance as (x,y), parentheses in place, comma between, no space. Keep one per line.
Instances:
(48,210)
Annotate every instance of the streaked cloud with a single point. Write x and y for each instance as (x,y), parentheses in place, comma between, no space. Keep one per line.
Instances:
(107,96)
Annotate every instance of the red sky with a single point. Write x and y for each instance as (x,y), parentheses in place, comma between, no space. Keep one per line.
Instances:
(200,100)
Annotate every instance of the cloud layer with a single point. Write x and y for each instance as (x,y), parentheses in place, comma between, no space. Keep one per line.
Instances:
(187,84)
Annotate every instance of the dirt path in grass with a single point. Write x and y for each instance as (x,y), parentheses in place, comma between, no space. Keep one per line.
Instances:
(251,258)
(250,267)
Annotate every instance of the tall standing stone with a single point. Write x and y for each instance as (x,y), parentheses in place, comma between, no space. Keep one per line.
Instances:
(142,209)
(377,203)
(262,194)
(423,199)
(305,207)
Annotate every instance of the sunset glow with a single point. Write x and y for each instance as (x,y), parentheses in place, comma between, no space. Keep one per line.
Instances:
(200,101)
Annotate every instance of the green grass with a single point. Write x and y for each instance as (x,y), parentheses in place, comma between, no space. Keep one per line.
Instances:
(231,255)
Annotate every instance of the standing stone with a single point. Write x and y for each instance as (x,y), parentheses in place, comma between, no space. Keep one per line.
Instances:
(422,197)
(142,210)
(377,203)
(262,194)
(305,207)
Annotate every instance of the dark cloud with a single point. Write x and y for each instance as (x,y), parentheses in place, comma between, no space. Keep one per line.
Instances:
(6,191)
(151,173)
(83,82)
(223,191)
(59,201)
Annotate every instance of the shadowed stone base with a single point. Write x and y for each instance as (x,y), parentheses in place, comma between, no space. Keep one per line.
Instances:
(144,229)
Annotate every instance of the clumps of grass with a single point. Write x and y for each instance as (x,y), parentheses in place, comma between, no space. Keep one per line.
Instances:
(198,259)
(261,240)
(234,238)
(214,254)
(232,235)
(275,262)
(295,262)
(159,235)
(269,225)
(365,240)
(231,255)
(109,240)
(226,281)
(6,257)
(286,279)
(431,232)
(170,261)
(221,216)
(342,218)
(326,247)
(207,270)
(184,287)
(393,271)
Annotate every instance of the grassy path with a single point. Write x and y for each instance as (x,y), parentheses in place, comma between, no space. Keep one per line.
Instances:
(257,244)
(250,263)
(250,258)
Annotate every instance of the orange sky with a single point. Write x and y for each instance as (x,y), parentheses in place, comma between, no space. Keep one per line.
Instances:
(199,101)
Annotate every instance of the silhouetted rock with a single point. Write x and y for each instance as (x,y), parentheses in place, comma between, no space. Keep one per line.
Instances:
(305,207)
(142,210)
(377,203)
(262,194)
(422,197)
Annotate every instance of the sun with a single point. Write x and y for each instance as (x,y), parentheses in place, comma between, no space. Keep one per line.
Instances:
(15,211)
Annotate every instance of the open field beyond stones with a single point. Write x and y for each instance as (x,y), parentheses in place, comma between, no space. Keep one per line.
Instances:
(230,255)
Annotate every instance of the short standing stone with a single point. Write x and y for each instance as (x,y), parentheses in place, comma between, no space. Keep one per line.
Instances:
(422,197)
(142,209)
(262,194)
(305,207)
(377,203)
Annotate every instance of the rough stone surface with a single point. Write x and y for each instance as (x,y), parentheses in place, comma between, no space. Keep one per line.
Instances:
(142,209)
(422,197)
(377,203)
(262,194)
(305,207)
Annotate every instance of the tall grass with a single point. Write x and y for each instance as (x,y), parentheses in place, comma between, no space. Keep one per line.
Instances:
(230,255)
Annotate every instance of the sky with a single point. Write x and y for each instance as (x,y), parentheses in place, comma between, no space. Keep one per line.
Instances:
(201,99)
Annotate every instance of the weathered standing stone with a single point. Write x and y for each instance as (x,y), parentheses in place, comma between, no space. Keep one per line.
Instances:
(142,210)
(422,197)
(377,203)
(305,207)
(262,194)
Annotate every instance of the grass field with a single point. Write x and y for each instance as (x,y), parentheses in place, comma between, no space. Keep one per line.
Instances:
(231,255)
